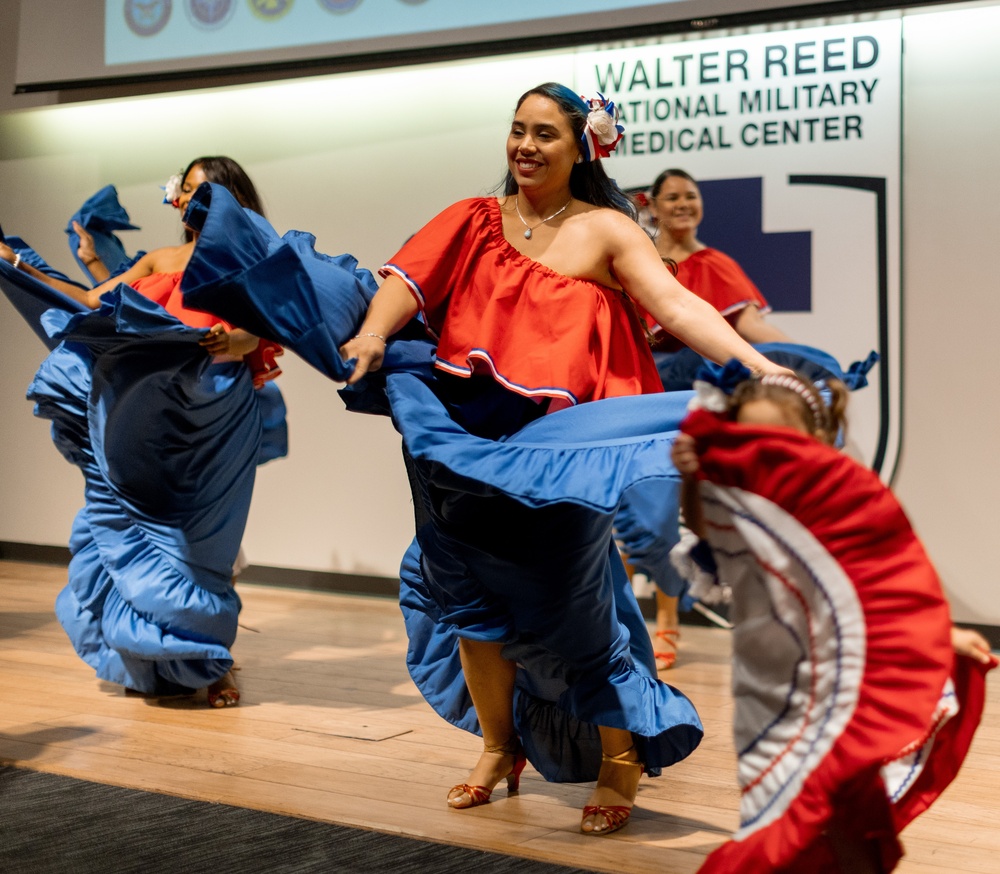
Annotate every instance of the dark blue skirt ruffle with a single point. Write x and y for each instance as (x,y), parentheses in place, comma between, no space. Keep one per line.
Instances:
(513,540)
(168,444)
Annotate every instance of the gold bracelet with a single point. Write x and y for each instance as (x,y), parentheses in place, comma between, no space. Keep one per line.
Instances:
(371,334)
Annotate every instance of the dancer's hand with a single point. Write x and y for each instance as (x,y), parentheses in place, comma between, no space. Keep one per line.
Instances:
(85,251)
(369,349)
(219,341)
(7,253)
(769,368)
(684,456)
(216,341)
(971,643)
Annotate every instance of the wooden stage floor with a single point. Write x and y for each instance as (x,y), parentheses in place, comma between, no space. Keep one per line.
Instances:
(332,729)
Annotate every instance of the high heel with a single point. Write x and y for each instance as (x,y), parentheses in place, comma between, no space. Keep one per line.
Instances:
(481,794)
(223,692)
(667,658)
(615,816)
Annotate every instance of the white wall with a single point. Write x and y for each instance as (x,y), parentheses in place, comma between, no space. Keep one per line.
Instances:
(362,160)
(950,474)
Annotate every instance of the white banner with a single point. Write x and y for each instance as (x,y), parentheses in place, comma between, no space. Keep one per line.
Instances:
(794,137)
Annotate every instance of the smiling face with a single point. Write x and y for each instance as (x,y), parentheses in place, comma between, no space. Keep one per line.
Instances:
(677,206)
(195,176)
(541,146)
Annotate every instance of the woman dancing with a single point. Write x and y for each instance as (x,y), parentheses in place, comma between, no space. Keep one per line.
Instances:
(852,711)
(168,439)
(529,297)
(677,209)
(675,205)
(157,274)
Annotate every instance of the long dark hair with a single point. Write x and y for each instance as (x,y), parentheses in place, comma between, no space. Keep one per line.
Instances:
(229,174)
(587,181)
(665,175)
(226,172)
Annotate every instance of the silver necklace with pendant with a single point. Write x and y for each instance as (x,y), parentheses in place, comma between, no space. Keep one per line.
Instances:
(528,229)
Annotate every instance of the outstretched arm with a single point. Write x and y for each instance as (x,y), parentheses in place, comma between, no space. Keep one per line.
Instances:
(638,268)
(67,288)
(391,308)
(751,325)
(88,297)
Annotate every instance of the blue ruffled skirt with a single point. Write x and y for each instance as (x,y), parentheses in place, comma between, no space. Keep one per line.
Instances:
(168,443)
(514,546)
(513,542)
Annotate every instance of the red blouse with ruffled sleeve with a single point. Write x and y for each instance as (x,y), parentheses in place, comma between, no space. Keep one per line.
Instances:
(537,332)
(718,279)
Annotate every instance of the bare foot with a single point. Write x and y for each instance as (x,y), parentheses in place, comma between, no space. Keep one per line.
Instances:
(223,692)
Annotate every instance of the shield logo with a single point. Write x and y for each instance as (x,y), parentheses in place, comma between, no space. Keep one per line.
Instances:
(794,138)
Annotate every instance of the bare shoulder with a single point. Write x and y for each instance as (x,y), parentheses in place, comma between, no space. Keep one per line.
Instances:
(169,259)
(615,227)
(603,244)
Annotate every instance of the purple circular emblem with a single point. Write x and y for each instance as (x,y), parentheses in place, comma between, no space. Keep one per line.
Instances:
(338,5)
(270,8)
(210,14)
(147,19)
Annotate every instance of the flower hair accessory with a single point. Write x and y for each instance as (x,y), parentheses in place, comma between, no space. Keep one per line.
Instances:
(172,190)
(602,132)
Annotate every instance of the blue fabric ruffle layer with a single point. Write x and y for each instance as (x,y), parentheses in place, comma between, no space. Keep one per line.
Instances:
(168,443)
(513,537)
(276,287)
(646,525)
(101,215)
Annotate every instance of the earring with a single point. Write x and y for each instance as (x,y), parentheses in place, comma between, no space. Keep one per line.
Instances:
(579,159)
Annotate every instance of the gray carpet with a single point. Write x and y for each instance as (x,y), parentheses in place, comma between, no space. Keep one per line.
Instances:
(57,825)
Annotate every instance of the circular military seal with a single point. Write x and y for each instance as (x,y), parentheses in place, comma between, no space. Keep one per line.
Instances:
(338,5)
(149,18)
(270,9)
(210,14)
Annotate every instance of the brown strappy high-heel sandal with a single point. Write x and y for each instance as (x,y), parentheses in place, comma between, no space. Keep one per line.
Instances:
(666,659)
(615,816)
(481,794)
(223,692)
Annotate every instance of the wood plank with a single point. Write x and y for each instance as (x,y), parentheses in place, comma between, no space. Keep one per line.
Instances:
(331,728)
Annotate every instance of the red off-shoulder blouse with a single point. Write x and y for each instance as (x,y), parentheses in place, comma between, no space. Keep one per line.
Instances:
(537,332)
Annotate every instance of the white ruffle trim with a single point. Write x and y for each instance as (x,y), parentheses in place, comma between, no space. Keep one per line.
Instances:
(705,586)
